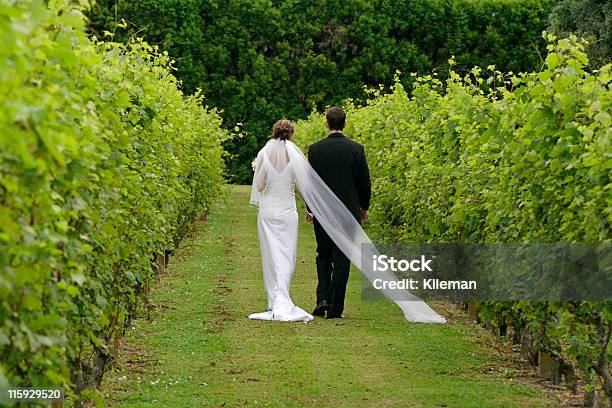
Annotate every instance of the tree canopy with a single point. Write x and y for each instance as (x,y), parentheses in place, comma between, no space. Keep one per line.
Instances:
(591,19)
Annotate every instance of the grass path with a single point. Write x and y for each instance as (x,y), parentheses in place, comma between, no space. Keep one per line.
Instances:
(197,348)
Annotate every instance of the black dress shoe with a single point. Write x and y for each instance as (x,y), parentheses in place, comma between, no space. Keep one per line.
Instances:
(334,313)
(321,308)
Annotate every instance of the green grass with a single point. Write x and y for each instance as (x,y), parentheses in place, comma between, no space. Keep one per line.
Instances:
(197,348)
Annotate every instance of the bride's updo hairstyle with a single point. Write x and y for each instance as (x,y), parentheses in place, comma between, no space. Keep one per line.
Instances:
(283,130)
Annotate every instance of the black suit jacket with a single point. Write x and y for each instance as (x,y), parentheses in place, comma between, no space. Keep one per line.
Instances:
(341,163)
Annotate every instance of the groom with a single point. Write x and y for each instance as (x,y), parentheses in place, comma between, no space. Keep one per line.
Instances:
(342,165)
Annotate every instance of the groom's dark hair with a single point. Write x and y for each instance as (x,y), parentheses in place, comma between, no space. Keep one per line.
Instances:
(336,118)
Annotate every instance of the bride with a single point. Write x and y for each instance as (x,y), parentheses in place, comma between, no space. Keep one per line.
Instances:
(277,224)
(279,167)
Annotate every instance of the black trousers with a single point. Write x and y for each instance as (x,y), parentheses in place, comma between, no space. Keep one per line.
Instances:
(332,271)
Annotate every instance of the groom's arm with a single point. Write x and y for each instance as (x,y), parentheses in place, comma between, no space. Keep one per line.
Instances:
(364,186)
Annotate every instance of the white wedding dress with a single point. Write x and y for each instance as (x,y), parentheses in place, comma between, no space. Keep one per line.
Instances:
(279,166)
(277,227)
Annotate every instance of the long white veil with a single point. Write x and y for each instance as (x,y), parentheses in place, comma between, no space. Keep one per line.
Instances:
(340,225)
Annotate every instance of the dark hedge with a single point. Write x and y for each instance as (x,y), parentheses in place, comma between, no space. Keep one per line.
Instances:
(262,60)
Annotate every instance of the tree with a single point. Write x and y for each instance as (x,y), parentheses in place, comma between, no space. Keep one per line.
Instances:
(591,19)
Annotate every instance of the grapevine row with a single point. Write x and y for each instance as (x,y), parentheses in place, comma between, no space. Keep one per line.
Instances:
(104,163)
(492,157)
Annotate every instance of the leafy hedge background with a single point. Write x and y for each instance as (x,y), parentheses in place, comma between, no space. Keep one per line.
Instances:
(260,60)
(103,164)
(490,157)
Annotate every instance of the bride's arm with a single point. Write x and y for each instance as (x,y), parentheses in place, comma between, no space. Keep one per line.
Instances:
(260,176)
(259,179)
